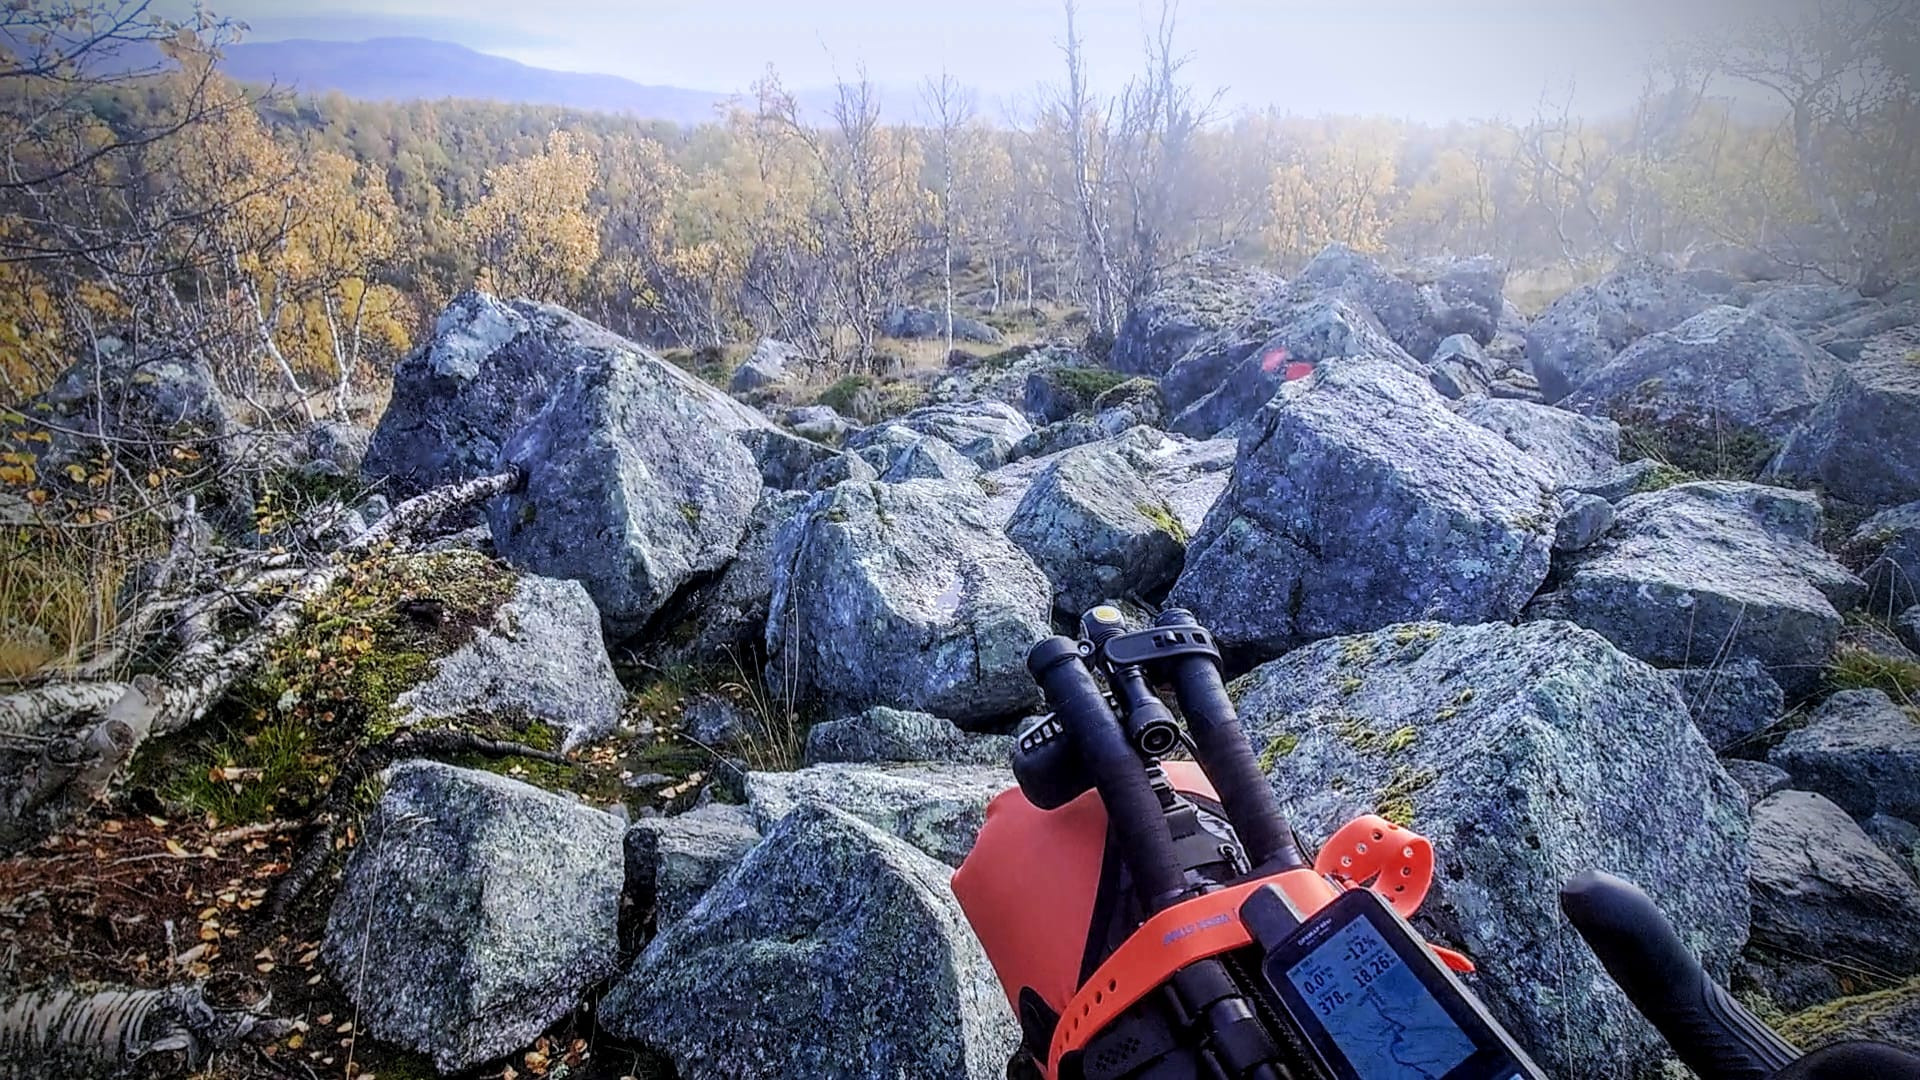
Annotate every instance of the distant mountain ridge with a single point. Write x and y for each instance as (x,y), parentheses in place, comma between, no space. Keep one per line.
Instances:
(413,69)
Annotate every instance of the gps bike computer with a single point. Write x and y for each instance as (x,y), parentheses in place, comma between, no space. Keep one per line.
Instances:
(1374,1003)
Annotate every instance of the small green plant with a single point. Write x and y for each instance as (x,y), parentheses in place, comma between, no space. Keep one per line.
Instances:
(851,395)
(1855,667)
(1086,384)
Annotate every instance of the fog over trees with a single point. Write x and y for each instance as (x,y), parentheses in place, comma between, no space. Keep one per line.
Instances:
(327,230)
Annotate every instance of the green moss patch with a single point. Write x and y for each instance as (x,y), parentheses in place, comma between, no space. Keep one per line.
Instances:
(1085,383)
(1700,448)
(1858,1017)
(850,395)
(1395,801)
(1163,519)
(328,689)
(1363,738)
(1277,747)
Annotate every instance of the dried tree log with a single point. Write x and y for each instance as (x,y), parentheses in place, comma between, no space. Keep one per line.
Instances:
(55,751)
(102,1032)
(80,766)
(203,672)
(423,510)
(32,713)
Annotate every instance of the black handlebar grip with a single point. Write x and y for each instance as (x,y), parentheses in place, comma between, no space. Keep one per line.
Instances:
(1227,757)
(1047,766)
(1118,774)
(1709,1031)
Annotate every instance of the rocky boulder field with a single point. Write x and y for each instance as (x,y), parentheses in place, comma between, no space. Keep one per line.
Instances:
(1629,584)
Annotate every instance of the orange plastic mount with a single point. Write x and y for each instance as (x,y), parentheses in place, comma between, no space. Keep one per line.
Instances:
(1372,852)
(1189,931)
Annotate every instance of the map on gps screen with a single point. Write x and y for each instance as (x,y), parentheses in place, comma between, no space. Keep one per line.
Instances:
(1375,1008)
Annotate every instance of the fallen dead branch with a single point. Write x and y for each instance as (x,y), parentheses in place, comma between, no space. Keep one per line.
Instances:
(63,742)
(104,1031)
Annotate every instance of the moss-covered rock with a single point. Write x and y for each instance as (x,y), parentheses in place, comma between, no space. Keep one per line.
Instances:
(1891,1015)
(1525,754)
(445,639)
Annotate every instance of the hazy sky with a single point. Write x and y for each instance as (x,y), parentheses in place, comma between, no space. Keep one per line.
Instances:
(1424,59)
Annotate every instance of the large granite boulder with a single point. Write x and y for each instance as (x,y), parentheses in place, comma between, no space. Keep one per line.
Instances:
(1809,308)
(160,413)
(1460,368)
(929,458)
(671,862)
(1189,303)
(475,912)
(1823,889)
(906,595)
(1526,754)
(787,461)
(1722,370)
(893,736)
(1757,778)
(1634,477)
(1190,474)
(772,362)
(1098,530)
(1850,338)
(636,485)
(1464,296)
(938,807)
(1130,404)
(1584,329)
(833,949)
(725,618)
(1208,400)
(1713,570)
(1359,500)
(883,444)
(984,431)
(1860,749)
(487,368)
(1406,312)
(1899,838)
(819,423)
(918,323)
(1862,443)
(1584,519)
(540,658)
(1574,448)
(1885,552)
(1731,701)
(334,449)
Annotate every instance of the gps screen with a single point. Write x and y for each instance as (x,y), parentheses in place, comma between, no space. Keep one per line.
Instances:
(1376,1010)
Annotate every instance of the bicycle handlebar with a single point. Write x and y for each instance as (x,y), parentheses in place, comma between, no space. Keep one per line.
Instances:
(1709,1031)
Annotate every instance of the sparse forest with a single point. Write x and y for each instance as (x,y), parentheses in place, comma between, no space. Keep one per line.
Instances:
(309,240)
